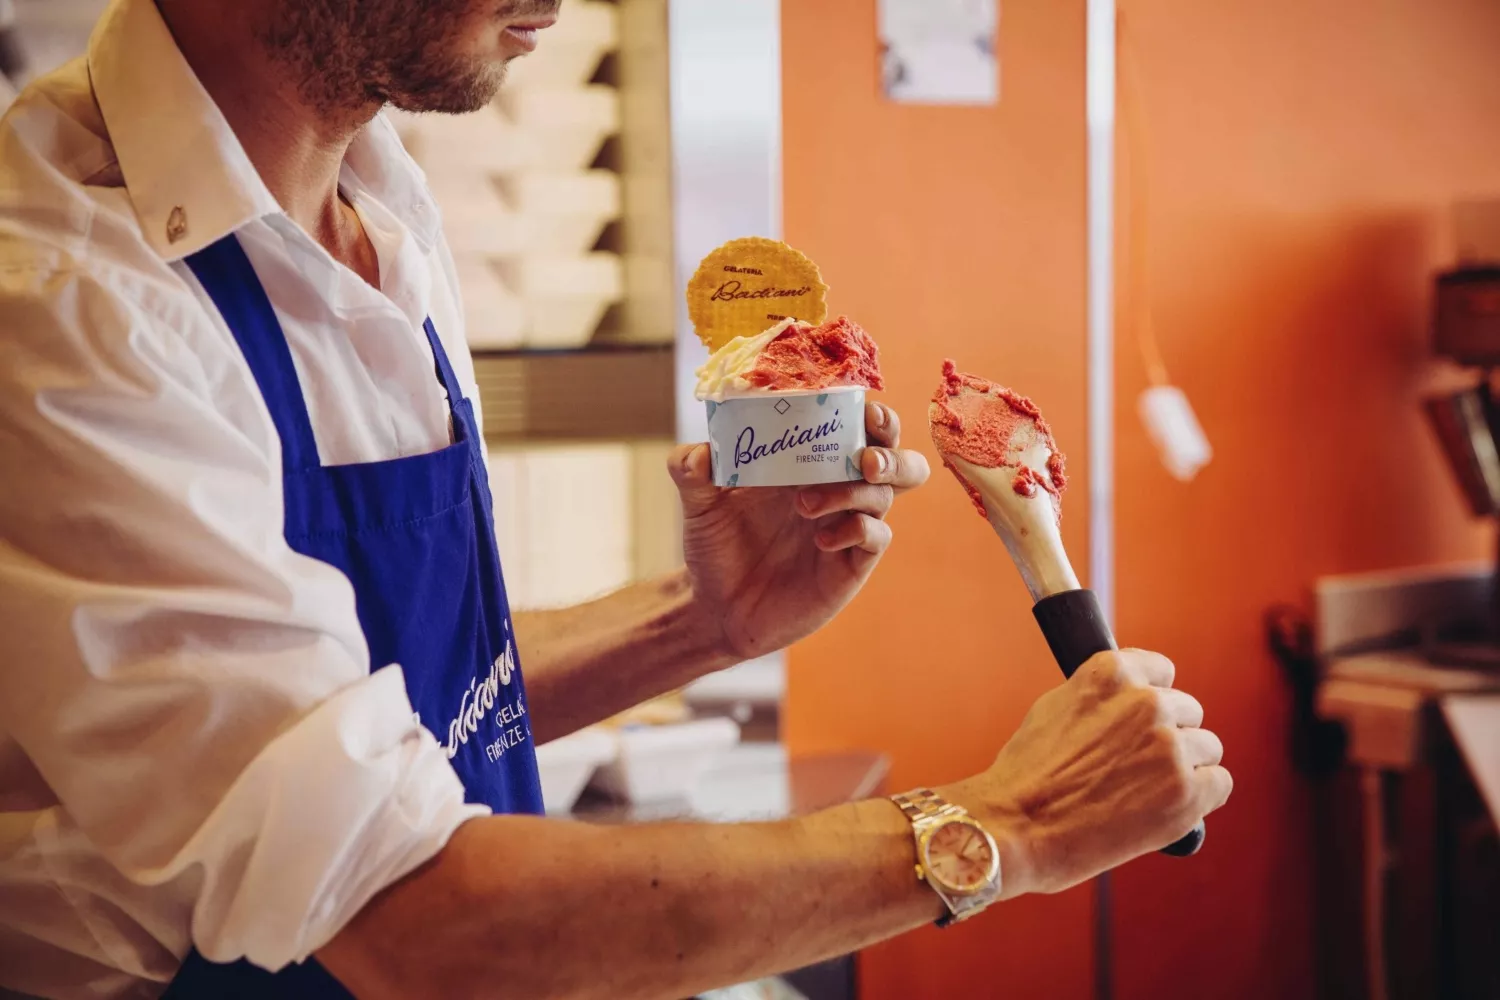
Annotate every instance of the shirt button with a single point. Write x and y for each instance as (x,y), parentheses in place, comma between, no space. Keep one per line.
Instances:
(177,225)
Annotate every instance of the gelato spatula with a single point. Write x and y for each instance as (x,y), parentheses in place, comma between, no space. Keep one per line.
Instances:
(1004,455)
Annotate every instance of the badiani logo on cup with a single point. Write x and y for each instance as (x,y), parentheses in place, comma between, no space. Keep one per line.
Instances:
(789,439)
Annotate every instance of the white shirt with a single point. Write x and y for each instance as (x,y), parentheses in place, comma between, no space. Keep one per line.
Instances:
(179,690)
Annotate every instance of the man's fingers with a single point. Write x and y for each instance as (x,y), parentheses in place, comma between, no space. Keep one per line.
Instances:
(1199,747)
(855,531)
(692,470)
(1178,708)
(896,467)
(834,498)
(885,461)
(1212,786)
(691,466)
(882,425)
(1145,667)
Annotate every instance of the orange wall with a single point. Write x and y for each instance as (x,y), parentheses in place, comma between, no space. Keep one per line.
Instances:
(1303,156)
(957,232)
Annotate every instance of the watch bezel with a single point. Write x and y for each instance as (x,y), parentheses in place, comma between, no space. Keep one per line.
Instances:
(924,854)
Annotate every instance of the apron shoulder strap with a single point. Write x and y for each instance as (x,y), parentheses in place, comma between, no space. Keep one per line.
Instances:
(444,366)
(226,274)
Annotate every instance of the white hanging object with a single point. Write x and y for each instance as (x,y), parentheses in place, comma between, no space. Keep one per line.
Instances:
(1164,409)
(1174,429)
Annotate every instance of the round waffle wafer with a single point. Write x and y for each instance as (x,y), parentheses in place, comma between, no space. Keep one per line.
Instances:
(750,284)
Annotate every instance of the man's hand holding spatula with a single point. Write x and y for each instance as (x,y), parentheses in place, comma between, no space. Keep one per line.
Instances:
(1142,737)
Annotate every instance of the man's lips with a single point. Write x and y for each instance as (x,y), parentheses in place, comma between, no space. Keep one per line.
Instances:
(523,34)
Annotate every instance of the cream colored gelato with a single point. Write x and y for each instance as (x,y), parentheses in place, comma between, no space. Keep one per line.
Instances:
(724,372)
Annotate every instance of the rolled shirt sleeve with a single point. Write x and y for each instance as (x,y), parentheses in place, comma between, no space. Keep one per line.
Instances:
(195,694)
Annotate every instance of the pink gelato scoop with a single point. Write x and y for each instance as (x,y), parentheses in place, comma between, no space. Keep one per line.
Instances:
(987,425)
(838,353)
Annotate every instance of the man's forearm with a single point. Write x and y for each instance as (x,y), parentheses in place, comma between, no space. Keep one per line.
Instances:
(542,909)
(589,662)
(1109,766)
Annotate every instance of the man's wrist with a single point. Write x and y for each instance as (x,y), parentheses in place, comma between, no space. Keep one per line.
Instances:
(1006,824)
(700,623)
(593,661)
(850,829)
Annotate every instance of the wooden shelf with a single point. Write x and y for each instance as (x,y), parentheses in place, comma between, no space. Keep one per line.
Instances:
(600,392)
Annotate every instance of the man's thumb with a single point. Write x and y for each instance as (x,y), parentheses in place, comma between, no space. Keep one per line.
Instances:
(692,470)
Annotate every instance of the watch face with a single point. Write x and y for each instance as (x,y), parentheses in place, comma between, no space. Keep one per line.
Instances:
(960,856)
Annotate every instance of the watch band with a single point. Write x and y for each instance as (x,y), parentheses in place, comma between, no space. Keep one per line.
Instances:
(921,803)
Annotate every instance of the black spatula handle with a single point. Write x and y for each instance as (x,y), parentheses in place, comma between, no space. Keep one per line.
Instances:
(1075,629)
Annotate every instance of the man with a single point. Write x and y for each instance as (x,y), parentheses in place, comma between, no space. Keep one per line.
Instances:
(258,657)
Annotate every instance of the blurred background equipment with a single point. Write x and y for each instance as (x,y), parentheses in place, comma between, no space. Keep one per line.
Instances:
(1407,796)
(1466,313)
(1404,682)
(1466,421)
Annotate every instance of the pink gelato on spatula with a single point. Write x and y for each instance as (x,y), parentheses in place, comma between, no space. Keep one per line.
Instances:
(986,425)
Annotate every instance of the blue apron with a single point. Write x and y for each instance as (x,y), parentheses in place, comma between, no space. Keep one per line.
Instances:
(416,538)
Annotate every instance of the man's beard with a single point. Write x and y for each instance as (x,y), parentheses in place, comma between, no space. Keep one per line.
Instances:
(346,55)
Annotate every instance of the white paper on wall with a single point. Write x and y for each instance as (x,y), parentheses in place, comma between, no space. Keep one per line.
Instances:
(940,51)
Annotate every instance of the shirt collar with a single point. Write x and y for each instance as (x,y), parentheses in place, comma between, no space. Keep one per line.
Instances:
(188,176)
(378,164)
(189,179)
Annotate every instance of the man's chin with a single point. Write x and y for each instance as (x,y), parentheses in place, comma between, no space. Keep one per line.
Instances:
(453,97)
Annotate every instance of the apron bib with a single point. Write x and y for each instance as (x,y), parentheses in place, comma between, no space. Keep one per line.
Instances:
(416,538)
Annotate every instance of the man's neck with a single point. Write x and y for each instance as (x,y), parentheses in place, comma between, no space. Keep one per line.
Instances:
(296,148)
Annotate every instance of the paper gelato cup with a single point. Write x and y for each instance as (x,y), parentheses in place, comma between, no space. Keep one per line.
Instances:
(796,438)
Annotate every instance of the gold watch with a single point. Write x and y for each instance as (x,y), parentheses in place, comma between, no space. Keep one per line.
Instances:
(955,854)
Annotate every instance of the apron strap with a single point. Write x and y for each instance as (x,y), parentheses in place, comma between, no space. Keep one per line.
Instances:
(226,274)
(444,367)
